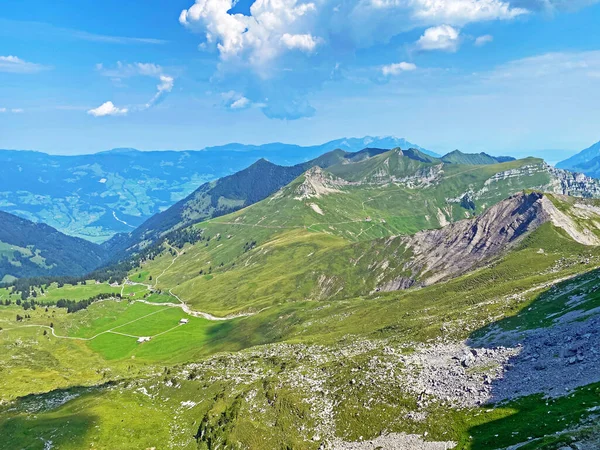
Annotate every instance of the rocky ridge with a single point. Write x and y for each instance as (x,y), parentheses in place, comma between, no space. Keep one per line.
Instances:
(460,246)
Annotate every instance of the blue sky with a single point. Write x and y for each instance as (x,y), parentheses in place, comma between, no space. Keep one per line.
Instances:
(503,76)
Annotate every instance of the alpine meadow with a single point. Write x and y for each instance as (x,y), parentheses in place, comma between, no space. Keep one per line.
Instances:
(318,293)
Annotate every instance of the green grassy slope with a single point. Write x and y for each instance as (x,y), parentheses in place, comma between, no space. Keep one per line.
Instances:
(290,248)
(322,354)
(184,399)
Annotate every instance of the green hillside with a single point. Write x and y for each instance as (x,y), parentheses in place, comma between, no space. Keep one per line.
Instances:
(28,249)
(388,300)
(263,178)
(458,157)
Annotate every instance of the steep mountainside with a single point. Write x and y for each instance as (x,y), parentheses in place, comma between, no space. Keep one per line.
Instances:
(241,189)
(362,212)
(219,197)
(96,196)
(459,247)
(28,249)
(375,182)
(583,161)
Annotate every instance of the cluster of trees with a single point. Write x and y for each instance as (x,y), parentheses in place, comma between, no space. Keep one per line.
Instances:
(190,235)
(74,305)
(249,245)
(113,273)
(26,286)
(27,304)
(117,271)
(19,265)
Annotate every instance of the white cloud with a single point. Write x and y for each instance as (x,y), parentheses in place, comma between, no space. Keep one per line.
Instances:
(235,100)
(165,86)
(274,41)
(12,110)
(304,42)
(272,28)
(461,12)
(107,109)
(13,64)
(443,37)
(240,103)
(482,40)
(122,70)
(398,68)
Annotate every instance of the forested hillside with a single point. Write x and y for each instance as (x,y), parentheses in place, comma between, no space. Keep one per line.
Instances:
(29,249)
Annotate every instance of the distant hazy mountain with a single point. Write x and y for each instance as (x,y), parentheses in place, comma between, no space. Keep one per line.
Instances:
(387,142)
(586,161)
(458,157)
(96,196)
(30,249)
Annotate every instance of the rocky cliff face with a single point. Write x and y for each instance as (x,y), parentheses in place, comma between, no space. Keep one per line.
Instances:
(318,183)
(574,184)
(461,246)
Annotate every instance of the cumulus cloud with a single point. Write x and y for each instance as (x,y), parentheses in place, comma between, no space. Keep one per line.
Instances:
(482,40)
(304,42)
(398,68)
(107,109)
(13,64)
(444,38)
(264,53)
(271,29)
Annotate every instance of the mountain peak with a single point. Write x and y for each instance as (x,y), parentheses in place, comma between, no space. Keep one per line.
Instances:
(581,160)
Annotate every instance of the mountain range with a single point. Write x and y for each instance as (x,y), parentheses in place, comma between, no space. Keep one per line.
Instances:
(381,298)
(96,196)
(452,187)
